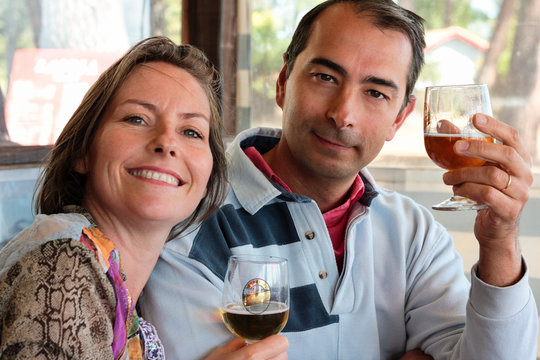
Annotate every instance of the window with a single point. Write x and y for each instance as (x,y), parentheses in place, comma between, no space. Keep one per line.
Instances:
(51,51)
(494,42)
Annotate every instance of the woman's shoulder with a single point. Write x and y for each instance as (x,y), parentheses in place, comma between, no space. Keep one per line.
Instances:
(71,290)
(58,261)
(44,228)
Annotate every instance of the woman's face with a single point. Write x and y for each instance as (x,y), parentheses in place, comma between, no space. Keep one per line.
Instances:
(150,159)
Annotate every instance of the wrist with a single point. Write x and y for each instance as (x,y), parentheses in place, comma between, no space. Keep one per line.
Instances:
(500,267)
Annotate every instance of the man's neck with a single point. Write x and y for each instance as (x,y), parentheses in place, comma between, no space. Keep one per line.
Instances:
(328,193)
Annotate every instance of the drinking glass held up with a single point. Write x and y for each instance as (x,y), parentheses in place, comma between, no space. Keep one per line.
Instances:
(448,114)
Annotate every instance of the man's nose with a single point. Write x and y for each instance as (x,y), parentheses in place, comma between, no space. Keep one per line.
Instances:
(342,110)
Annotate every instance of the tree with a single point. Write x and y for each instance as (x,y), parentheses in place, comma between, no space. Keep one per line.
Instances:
(157,17)
(4,136)
(488,72)
(521,85)
(79,24)
(511,66)
(440,14)
(34,9)
(273,22)
(15,32)
(165,18)
(266,60)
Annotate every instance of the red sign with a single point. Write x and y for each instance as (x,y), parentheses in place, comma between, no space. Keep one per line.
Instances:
(45,88)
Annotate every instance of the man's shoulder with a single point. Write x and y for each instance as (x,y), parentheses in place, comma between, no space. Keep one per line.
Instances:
(233,227)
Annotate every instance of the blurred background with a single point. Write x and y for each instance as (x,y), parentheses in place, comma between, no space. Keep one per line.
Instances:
(51,51)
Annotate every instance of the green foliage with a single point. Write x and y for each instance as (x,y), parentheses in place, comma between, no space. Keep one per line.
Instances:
(15,33)
(16,30)
(463,14)
(503,65)
(266,53)
(273,22)
(173,20)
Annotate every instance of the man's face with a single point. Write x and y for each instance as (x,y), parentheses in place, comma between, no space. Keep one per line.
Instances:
(343,98)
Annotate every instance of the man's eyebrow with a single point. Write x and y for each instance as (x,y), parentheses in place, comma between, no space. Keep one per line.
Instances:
(329,64)
(341,70)
(380,81)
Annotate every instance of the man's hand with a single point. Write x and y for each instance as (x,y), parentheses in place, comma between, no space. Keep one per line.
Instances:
(503,184)
(416,355)
(272,348)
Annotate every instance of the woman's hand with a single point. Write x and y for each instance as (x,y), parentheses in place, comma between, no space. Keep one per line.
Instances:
(272,348)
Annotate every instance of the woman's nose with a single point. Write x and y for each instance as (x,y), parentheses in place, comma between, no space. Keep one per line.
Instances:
(165,141)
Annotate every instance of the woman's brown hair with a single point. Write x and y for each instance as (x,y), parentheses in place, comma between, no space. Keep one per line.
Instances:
(60,185)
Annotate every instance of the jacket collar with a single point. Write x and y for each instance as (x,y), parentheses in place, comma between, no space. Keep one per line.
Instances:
(253,189)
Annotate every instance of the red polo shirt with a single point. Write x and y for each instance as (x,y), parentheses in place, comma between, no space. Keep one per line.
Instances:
(336,219)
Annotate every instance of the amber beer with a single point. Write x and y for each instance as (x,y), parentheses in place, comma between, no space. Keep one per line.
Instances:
(440,148)
(254,327)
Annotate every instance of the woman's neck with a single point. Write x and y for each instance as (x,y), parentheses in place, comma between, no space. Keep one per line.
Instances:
(137,264)
(139,245)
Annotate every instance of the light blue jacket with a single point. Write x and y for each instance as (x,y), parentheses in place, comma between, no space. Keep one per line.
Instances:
(402,285)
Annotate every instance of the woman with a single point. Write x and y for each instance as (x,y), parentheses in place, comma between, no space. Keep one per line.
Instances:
(140,154)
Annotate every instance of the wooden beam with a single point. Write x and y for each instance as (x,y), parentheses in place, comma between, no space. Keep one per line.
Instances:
(202,22)
(211,26)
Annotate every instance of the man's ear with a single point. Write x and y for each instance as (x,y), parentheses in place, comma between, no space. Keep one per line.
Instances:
(400,119)
(280,84)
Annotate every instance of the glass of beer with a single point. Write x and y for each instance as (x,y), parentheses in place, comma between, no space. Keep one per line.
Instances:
(448,113)
(255,300)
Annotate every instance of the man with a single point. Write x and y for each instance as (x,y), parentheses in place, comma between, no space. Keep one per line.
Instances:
(372,275)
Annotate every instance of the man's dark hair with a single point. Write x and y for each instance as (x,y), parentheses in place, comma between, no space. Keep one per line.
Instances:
(384,14)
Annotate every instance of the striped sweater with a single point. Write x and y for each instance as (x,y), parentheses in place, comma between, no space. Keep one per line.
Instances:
(402,285)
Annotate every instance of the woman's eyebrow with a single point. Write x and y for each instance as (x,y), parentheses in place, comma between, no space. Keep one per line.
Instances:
(152,107)
(139,102)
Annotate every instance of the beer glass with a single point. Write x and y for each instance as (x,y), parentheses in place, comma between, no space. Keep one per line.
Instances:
(448,113)
(255,300)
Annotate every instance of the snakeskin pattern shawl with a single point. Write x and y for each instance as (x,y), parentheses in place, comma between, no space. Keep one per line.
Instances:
(62,295)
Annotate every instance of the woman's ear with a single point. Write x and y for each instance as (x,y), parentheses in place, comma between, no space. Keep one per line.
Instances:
(205,193)
(81,166)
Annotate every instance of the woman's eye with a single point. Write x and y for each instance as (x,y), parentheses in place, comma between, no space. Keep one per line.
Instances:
(135,120)
(325,77)
(192,133)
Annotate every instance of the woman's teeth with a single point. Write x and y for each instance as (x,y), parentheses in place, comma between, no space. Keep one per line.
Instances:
(154,175)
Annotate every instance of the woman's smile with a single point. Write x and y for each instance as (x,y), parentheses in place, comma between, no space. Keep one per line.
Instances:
(157,176)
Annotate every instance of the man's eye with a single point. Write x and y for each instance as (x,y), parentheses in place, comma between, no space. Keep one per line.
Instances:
(135,120)
(376,94)
(325,77)
(192,133)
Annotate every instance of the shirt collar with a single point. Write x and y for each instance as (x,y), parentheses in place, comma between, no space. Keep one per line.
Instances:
(252,188)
